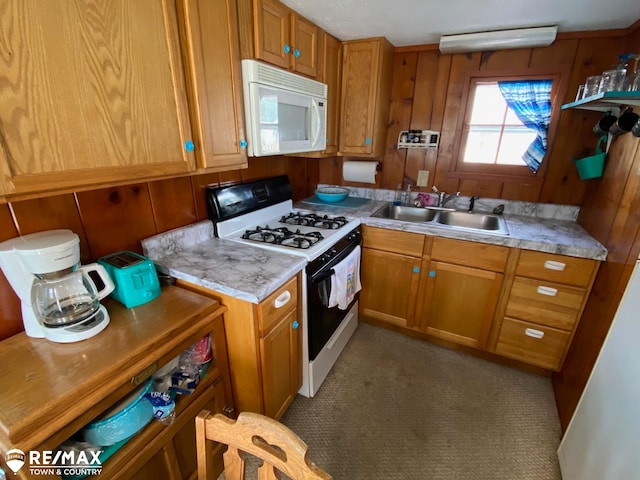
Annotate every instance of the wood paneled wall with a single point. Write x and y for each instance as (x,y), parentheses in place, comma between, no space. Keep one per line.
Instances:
(610,212)
(427,93)
(117,218)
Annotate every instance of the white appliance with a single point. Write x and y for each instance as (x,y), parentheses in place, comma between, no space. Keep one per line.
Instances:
(261,214)
(285,112)
(602,440)
(44,270)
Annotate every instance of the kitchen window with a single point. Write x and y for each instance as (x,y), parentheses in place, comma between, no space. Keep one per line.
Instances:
(507,126)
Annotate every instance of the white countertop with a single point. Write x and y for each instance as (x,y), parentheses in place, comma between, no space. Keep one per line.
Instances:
(249,273)
(192,254)
(564,237)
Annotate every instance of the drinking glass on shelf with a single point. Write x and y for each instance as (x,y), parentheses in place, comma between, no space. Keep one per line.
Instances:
(634,77)
(580,92)
(592,85)
(613,80)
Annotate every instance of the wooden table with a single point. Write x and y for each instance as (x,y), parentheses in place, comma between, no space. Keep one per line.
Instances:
(49,391)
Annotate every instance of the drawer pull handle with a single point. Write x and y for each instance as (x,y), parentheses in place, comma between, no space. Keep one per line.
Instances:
(530,332)
(552,265)
(549,291)
(141,377)
(283,299)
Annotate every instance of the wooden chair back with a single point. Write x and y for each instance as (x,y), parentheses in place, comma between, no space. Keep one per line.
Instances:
(278,447)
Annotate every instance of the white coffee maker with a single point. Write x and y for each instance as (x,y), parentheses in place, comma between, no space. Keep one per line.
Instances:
(60,301)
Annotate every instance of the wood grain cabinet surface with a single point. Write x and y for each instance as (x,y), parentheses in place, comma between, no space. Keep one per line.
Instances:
(544,305)
(332,76)
(95,94)
(71,384)
(390,275)
(519,304)
(365,98)
(211,51)
(264,342)
(286,39)
(459,291)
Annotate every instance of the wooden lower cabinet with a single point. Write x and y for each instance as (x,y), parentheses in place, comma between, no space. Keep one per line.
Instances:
(520,304)
(457,303)
(543,307)
(279,350)
(264,342)
(389,286)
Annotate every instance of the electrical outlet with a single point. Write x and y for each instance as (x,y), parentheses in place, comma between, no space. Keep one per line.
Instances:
(423,178)
(638,172)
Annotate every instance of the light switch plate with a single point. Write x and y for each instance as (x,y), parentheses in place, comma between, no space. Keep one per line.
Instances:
(423,178)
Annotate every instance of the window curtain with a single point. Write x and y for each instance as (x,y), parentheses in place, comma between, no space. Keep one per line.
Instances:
(531,102)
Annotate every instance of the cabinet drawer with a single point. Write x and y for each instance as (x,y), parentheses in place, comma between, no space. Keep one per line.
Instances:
(556,268)
(547,303)
(394,241)
(277,305)
(532,343)
(470,254)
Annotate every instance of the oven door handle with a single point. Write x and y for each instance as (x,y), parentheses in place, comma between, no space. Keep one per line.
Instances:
(323,277)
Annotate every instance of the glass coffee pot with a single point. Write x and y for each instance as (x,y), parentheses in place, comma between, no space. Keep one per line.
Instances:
(72,299)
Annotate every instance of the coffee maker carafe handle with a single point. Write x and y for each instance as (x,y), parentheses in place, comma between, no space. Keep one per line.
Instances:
(104,276)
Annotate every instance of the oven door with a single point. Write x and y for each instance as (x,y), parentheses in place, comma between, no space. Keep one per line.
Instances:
(322,320)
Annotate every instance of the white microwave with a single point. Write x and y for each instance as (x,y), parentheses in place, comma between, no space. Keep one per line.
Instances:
(285,112)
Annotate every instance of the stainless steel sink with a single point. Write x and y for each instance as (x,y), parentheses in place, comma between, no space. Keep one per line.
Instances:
(445,218)
(473,221)
(406,213)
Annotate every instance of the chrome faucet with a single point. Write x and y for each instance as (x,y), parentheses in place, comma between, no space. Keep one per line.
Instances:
(443,198)
(406,196)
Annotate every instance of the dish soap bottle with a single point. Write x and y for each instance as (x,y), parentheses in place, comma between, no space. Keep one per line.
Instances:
(397,200)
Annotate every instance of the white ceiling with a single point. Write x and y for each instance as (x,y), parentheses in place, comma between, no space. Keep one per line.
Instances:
(416,22)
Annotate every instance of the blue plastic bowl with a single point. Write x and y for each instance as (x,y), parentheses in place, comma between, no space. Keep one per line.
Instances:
(332,194)
(122,421)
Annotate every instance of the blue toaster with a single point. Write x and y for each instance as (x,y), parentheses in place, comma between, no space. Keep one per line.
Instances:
(134,277)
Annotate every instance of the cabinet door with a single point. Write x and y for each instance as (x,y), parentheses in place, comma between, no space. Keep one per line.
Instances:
(359,82)
(389,286)
(94,94)
(305,42)
(332,76)
(281,358)
(271,32)
(215,83)
(458,303)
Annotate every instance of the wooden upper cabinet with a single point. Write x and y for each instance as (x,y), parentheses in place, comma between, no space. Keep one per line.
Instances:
(284,38)
(94,94)
(366,93)
(305,41)
(212,59)
(332,76)
(272,28)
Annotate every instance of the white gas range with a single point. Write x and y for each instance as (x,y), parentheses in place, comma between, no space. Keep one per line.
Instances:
(261,214)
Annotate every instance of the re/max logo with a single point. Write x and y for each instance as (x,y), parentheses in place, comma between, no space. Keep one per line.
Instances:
(68,459)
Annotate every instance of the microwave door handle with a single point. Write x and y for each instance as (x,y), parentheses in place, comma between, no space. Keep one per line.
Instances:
(316,131)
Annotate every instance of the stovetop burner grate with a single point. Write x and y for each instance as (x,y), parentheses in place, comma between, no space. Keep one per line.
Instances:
(283,236)
(314,220)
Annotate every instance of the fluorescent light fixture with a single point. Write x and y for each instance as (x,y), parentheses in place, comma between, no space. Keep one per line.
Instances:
(498,40)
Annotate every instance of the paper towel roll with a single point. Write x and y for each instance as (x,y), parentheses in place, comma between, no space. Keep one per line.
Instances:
(363,172)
